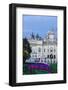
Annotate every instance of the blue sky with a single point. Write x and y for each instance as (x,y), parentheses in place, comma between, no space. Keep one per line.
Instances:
(39,24)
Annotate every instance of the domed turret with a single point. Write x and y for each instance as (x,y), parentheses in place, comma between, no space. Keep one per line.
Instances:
(51,35)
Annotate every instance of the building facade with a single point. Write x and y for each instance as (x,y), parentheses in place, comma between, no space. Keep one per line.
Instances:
(43,50)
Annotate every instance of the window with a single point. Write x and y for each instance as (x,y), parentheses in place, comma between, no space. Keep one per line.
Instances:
(54,56)
(51,50)
(45,60)
(47,56)
(35,55)
(39,49)
(51,56)
(48,61)
(48,50)
(44,50)
(54,61)
(54,50)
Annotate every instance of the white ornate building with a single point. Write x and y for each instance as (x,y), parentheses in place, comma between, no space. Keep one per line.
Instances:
(44,50)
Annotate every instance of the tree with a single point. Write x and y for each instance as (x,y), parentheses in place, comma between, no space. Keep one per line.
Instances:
(26,50)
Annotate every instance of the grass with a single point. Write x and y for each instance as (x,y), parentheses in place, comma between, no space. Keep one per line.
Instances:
(53,68)
(27,71)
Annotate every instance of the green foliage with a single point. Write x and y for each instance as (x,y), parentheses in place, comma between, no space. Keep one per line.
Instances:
(53,68)
(26,50)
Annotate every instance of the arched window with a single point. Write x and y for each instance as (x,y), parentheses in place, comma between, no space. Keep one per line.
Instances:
(51,56)
(51,49)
